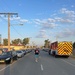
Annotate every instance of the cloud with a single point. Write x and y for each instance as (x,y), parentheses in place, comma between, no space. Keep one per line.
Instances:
(23,20)
(68,13)
(64,20)
(69,16)
(66,33)
(42,34)
(66,17)
(46,23)
(67,21)
(51,20)
(42,31)
(15,18)
(37,21)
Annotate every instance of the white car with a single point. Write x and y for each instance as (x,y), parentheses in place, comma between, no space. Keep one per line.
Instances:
(20,53)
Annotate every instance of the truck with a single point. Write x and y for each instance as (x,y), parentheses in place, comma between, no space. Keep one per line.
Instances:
(63,48)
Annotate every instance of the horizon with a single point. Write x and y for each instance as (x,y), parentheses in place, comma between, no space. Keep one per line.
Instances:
(43,19)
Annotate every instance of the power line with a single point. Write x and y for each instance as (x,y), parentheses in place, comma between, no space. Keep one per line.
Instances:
(3,19)
(12,26)
(16,31)
(9,14)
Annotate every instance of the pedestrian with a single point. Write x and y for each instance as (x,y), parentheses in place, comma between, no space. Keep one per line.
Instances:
(36,54)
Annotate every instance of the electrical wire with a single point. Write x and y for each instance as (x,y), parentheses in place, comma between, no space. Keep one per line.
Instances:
(6,20)
(17,31)
(12,26)
(3,19)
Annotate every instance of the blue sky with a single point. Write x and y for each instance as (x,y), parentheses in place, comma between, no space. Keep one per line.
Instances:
(42,19)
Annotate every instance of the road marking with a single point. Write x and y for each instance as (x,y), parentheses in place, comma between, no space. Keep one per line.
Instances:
(42,67)
(10,64)
(4,68)
(7,66)
(68,63)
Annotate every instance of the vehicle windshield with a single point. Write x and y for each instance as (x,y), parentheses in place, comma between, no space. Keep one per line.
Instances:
(5,53)
(19,51)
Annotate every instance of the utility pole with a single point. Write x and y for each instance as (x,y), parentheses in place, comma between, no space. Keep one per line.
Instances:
(0,40)
(9,15)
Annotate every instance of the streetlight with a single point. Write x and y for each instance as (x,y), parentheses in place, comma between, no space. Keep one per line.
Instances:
(17,24)
(0,41)
(9,14)
(9,33)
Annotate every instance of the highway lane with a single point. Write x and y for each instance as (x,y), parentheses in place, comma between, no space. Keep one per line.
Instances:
(58,66)
(47,65)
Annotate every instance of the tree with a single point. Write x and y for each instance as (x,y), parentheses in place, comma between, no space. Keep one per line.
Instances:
(47,43)
(25,41)
(5,42)
(16,41)
(74,45)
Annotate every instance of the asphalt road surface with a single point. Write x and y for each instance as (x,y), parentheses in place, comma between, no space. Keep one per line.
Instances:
(47,65)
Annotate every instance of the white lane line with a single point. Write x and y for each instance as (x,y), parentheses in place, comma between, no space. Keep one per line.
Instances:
(42,67)
(7,66)
(4,68)
(11,64)
(68,63)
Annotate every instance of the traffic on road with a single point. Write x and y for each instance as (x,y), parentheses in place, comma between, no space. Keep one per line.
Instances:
(8,57)
(46,65)
(37,37)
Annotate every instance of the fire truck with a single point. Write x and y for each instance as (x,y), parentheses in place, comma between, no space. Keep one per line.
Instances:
(61,48)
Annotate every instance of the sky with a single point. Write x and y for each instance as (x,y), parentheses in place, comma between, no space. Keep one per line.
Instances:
(41,19)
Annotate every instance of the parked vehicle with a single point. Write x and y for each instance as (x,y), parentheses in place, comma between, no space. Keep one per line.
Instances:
(20,53)
(8,57)
(3,49)
(24,52)
(61,48)
(27,51)
(45,49)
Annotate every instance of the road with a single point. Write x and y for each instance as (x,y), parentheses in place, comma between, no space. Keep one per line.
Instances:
(47,65)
